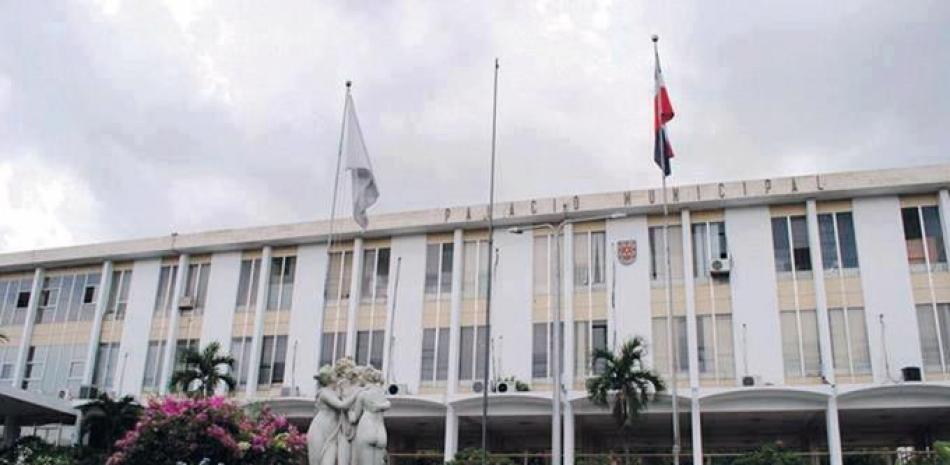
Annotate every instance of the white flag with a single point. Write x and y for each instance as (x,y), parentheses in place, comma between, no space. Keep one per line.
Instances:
(365,192)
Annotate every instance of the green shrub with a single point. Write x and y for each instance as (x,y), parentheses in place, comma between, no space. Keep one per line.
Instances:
(769,455)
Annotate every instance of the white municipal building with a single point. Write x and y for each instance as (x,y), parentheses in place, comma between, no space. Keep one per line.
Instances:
(812,310)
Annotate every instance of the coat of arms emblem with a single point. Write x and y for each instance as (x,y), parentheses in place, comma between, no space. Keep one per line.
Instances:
(627,252)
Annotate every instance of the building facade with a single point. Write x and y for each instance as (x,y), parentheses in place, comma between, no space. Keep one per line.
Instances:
(812,310)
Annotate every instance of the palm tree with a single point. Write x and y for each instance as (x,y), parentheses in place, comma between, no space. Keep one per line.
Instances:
(107,420)
(627,379)
(202,372)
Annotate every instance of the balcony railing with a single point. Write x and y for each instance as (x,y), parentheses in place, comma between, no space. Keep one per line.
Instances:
(808,458)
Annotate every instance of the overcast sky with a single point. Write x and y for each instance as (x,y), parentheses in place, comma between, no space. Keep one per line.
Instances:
(127,119)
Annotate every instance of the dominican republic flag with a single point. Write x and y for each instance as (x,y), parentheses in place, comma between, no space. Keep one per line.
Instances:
(662,113)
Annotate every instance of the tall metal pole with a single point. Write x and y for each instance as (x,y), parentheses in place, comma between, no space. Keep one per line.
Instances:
(336,177)
(491,247)
(556,353)
(671,350)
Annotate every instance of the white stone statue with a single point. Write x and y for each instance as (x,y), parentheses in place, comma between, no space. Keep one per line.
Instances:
(348,427)
(369,443)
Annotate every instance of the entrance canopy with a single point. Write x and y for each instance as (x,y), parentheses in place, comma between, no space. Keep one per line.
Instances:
(36,409)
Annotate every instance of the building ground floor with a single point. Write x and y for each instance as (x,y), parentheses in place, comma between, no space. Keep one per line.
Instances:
(877,425)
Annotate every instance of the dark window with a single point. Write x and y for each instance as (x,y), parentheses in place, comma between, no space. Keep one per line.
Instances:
(23,299)
(89,294)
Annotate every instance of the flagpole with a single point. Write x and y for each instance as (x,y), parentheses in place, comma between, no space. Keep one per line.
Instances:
(336,188)
(491,245)
(671,348)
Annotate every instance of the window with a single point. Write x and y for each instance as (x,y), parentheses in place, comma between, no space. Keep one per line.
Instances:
(542,348)
(661,357)
(924,237)
(153,365)
(196,285)
(273,358)
(247,285)
(8,356)
(790,244)
(165,294)
(590,267)
(369,348)
(339,274)
(180,346)
(472,352)
(49,300)
(280,287)
(107,357)
(838,249)
(241,351)
(435,354)
(709,243)
(475,269)
(658,253)
(439,258)
(933,321)
(849,341)
(332,349)
(800,350)
(23,299)
(588,337)
(375,277)
(10,293)
(54,370)
(714,346)
(89,294)
(118,294)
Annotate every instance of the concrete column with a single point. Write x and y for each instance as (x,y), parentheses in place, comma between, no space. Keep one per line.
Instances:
(821,299)
(260,307)
(455,312)
(834,430)
(692,339)
(356,285)
(451,433)
(19,369)
(568,433)
(11,430)
(567,306)
(944,204)
(105,285)
(171,339)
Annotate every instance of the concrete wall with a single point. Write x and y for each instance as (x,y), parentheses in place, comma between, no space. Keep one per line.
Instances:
(754,294)
(511,305)
(138,320)
(632,282)
(407,319)
(220,301)
(885,278)
(303,341)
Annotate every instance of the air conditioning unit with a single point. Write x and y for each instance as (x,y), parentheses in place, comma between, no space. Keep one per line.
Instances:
(88,392)
(64,394)
(749,381)
(289,391)
(186,302)
(478,386)
(503,387)
(397,389)
(720,266)
(911,374)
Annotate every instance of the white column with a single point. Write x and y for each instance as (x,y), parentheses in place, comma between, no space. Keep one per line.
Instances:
(105,285)
(821,299)
(451,433)
(455,313)
(834,430)
(171,339)
(306,319)
(19,369)
(356,286)
(944,202)
(263,284)
(692,339)
(568,433)
(567,306)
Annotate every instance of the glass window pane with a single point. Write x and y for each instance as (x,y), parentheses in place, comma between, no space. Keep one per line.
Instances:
(446,269)
(581,352)
(539,348)
(376,352)
(780,246)
(810,342)
(599,341)
(382,273)
(432,269)
(362,347)
(860,353)
(800,250)
(790,344)
(467,348)
(598,247)
(935,248)
(724,346)
(839,340)
(846,240)
(826,236)
(660,346)
(470,269)
(428,353)
(700,251)
(929,345)
(368,273)
(442,363)
(480,346)
(581,260)
(913,235)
